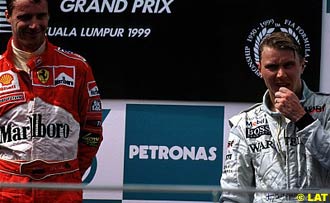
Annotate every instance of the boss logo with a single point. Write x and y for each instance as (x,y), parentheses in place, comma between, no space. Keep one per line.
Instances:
(258,131)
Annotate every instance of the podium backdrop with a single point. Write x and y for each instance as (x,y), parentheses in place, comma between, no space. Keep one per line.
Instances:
(188,50)
(200,55)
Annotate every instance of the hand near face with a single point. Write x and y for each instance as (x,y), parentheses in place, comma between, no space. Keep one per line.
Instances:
(288,104)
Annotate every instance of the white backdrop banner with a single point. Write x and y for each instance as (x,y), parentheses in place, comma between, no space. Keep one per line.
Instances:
(325,47)
(160,143)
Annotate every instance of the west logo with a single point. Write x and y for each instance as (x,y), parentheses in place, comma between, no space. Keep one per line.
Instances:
(258,146)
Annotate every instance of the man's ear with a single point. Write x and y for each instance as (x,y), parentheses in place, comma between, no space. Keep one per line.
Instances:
(7,16)
(303,66)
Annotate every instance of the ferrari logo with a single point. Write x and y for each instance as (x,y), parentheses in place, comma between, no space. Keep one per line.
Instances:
(43,75)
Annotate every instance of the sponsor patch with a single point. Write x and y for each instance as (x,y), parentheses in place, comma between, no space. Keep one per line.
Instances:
(258,121)
(65,76)
(8,81)
(229,168)
(90,139)
(34,128)
(16,97)
(230,143)
(315,109)
(43,75)
(258,131)
(95,105)
(92,88)
(260,146)
(52,76)
(38,61)
(228,156)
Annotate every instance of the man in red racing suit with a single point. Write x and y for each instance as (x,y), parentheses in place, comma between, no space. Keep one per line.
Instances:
(50,123)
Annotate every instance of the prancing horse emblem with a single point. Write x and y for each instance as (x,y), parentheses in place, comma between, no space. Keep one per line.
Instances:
(43,75)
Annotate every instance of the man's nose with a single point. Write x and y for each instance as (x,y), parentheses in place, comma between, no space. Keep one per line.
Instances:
(34,22)
(281,72)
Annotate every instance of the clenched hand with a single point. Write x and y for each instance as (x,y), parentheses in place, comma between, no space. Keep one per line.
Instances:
(288,104)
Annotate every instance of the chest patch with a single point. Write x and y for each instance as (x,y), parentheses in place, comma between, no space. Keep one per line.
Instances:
(54,76)
(8,82)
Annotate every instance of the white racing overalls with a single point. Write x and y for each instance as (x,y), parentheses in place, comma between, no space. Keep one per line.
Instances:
(267,151)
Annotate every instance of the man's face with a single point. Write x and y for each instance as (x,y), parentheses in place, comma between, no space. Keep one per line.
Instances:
(29,22)
(281,68)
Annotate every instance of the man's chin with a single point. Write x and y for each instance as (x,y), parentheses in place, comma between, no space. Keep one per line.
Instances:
(31,47)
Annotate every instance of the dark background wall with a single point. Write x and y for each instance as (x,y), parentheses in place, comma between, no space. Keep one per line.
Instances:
(195,51)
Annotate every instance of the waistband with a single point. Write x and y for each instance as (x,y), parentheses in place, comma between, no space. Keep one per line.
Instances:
(38,169)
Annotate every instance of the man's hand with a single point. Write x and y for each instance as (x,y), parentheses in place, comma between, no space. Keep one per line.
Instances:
(288,104)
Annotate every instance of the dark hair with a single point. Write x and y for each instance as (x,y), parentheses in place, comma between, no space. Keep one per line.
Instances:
(10,4)
(281,40)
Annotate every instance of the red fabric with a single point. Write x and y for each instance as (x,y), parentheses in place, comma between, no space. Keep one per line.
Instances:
(31,195)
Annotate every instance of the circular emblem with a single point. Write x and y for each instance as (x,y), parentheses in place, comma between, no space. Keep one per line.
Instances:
(264,28)
(300,197)
(43,75)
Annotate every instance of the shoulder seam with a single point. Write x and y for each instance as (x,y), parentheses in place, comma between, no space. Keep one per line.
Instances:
(251,107)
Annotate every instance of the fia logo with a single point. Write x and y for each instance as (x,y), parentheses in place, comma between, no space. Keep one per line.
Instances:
(266,27)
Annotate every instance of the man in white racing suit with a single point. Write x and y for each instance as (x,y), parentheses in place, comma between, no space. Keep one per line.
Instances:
(283,143)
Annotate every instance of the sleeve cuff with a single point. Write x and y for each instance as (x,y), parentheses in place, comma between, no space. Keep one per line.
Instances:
(304,121)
